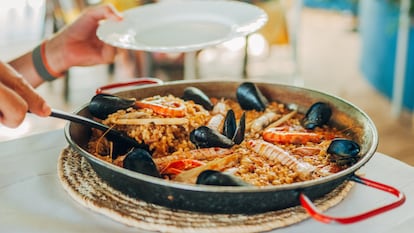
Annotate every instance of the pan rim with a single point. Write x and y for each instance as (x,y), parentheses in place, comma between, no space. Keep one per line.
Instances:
(235,189)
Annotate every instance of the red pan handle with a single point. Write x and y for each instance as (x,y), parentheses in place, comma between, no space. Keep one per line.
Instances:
(316,214)
(139,81)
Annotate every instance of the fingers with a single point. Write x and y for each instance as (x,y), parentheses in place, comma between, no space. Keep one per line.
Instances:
(105,11)
(18,97)
(78,45)
(112,13)
(13,108)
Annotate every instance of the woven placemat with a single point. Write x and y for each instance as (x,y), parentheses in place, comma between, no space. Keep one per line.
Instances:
(82,183)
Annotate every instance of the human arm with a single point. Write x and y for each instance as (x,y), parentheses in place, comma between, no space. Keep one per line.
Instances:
(75,45)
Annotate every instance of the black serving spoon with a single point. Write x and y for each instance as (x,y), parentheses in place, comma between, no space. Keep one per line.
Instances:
(110,133)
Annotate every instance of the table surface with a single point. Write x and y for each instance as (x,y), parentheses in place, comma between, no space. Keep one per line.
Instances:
(33,200)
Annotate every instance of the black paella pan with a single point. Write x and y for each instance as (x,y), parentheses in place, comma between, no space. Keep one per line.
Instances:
(245,200)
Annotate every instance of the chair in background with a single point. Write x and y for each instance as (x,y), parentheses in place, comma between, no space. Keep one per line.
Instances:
(64,12)
(282,29)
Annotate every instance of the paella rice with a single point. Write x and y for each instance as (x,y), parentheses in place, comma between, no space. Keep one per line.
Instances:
(297,154)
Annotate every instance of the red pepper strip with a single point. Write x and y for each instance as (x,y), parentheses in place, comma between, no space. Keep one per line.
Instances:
(176,167)
(171,171)
(163,106)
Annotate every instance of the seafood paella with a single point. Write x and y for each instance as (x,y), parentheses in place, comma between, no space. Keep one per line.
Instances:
(199,139)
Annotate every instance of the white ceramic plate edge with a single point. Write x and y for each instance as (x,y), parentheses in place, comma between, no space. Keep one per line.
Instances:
(239,18)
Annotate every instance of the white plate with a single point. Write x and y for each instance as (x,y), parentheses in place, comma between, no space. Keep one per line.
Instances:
(181,26)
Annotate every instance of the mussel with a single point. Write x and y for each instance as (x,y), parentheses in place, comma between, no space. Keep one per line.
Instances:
(140,160)
(205,137)
(230,124)
(343,151)
(212,177)
(238,136)
(198,96)
(101,105)
(317,115)
(250,97)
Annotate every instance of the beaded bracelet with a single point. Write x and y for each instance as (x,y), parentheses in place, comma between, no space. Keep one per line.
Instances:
(41,65)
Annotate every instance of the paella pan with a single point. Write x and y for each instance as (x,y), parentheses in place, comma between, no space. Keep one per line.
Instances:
(305,179)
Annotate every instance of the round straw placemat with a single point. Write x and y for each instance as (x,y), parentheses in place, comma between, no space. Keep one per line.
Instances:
(81,182)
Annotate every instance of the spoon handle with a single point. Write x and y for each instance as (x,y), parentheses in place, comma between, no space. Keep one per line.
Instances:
(111,134)
(78,119)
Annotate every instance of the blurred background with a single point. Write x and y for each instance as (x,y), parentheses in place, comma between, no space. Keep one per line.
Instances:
(361,51)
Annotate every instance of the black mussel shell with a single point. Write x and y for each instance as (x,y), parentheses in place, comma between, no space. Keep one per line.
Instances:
(230,124)
(123,145)
(120,148)
(250,97)
(198,96)
(140,160)
(343,161)
(101,105)
(239,134)
(317,115)
(344,147)
(212,177)
(205,137)
(343,152)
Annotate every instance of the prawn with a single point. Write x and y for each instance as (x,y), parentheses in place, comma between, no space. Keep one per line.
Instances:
(219,111)
(287,137)
(220,108)
(196,154)
(262,121)
(216,122)
(306,151)
(166,106)
(274,152)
